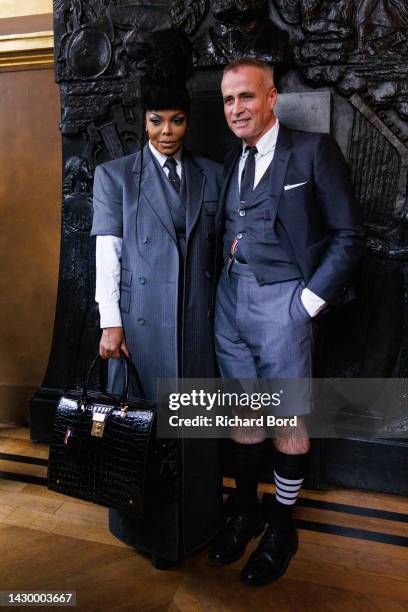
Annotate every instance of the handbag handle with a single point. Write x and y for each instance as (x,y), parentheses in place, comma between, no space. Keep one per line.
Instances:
(130,369)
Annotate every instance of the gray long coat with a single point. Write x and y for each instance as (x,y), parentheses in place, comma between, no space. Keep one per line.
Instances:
(149,306)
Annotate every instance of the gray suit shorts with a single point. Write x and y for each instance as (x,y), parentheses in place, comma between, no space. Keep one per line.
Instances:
(264,332)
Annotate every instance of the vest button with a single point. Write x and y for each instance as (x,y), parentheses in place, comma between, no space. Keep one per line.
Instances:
(242,213)
(142,280)
(239,236)
(145,239)
(141,321)
(207,274)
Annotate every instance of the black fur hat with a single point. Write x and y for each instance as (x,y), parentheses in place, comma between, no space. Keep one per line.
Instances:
(165,59)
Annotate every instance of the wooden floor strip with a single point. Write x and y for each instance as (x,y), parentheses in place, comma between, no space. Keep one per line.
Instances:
(23,478)
(372,499)
(343,542)
(351,520)
(349,509)
(24,459)
(18,467)
(351,532)
(376,513)
(13,432)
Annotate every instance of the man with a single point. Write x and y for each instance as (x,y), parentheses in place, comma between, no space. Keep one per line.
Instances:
(291,239)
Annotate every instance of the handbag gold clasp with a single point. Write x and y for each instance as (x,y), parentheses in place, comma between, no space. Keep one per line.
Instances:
(98,424)
(123,409)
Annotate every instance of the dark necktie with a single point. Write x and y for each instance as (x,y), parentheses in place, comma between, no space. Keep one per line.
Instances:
(173,177)
(248,174)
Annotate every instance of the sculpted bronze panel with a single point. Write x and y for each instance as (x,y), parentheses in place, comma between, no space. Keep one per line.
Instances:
(355,50)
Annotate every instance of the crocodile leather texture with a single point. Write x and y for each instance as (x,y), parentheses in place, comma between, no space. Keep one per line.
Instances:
(109,469)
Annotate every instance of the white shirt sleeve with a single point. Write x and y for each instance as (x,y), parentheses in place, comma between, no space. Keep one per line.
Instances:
(107,293)
(312,302)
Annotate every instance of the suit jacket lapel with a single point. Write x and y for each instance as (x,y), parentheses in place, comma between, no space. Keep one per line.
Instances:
(195,180)
(278,167)
(152,192)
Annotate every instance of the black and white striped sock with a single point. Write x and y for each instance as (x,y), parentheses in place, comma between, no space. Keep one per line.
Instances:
(288,475)
(287,489)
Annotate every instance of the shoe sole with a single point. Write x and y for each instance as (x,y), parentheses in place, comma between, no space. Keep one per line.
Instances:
(268,580)
(257,533)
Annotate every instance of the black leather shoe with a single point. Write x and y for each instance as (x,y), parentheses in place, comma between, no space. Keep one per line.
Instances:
(230,543)
(272,556)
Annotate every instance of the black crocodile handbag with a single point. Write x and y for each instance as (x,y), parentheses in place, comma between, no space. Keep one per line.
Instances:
(104,448)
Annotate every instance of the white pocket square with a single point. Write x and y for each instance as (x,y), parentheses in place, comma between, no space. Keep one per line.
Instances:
(287,187)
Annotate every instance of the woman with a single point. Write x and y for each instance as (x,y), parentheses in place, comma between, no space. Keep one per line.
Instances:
(154,221)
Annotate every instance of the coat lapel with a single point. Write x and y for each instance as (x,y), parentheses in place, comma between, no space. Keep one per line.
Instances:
(195,180)
(151,190)
(278,167)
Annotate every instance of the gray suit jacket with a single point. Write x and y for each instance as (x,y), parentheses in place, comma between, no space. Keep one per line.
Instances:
(149,293)
(322,228)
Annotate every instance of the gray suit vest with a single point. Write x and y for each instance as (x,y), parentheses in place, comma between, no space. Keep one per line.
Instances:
(176,203)
(251,221)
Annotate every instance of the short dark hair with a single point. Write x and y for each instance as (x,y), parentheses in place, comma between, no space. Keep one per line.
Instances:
(247,61)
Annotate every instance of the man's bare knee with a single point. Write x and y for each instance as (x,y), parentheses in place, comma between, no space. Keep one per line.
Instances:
(292,440)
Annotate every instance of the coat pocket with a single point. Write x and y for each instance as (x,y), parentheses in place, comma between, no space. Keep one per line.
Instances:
(126,277)
(124,302)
